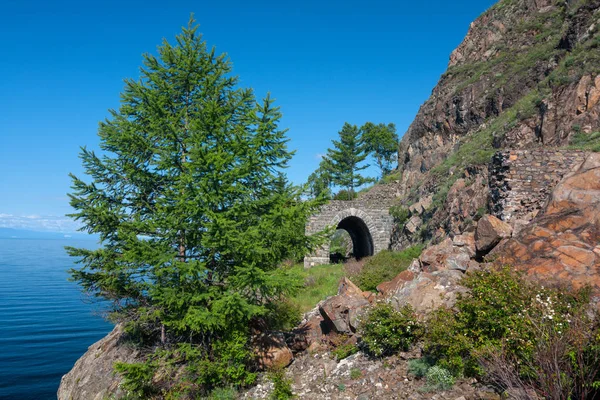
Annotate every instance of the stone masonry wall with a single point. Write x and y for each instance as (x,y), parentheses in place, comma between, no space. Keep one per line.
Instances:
(521,181)
(371,207)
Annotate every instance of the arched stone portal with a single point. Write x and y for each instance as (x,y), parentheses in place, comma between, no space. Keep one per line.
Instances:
(362,241)
(369,229)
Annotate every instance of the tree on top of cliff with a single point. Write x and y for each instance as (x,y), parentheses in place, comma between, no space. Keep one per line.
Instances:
(381,141)
(193,210)
(346,157)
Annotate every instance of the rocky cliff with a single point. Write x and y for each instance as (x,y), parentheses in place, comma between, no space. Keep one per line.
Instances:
(525,76)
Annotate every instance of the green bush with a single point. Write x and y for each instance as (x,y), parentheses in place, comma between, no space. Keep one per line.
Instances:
(137,379)
(282,386)
(283,315)
(419,367)
(501,310)
(385,331)
(399,213)
(438,378)
(384,266)
(344,351)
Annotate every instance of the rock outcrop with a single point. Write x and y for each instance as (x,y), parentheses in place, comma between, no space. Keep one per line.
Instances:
(92,376)
(563,243)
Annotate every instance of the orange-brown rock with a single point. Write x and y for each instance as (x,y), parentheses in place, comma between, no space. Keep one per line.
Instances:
(445,256)
(272,351)
(490,231)
(341,312)
(562,243)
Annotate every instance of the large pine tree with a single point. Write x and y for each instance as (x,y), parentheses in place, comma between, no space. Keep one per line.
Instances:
(192,208)
(346,159)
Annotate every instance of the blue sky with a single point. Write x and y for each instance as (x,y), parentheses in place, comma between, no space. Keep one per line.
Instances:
(62,65)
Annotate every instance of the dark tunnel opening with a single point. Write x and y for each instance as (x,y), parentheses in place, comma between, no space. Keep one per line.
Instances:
(362,242)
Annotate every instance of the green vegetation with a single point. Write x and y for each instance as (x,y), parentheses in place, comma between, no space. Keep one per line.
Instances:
(385,331)
(382,142)
(342,164)
(385,266)
(391,177)
(282,386)
(355,373)
(320,282)
(223,394)
(587,142)
(346,159)
(344,350)
(505,314)
(419,367)
(399,213)
(438,378)
(194,215)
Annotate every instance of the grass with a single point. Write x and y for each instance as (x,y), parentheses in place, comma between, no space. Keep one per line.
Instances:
(587,142)
(385,266)
(320,282)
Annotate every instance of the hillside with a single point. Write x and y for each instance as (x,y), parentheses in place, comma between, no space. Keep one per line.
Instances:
(525,76)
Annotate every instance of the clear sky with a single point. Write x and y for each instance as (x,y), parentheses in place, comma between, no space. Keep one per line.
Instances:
(62,65)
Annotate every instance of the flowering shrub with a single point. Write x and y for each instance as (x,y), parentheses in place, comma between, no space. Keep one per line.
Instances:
(385,331)
(438,378)
(505,317)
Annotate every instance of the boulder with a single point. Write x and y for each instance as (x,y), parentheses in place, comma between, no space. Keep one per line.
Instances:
(445,256)
(271,351)
(92,377)
(341,312)
(490,231)
(427,291)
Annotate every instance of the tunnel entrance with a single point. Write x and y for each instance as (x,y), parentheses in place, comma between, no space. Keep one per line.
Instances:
(362,242)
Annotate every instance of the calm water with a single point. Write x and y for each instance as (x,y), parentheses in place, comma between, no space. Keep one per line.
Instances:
(45,325)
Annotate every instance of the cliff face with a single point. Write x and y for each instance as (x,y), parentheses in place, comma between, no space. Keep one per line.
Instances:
(526,75)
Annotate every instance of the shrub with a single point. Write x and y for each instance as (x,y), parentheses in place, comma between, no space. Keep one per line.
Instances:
(418,367)
(384,266)
(344,351)
(501,311)
(282,386)
(399,213)
(137,379)
(438,378)
(385,331)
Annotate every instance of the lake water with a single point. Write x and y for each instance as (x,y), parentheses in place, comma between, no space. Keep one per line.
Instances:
(45,324)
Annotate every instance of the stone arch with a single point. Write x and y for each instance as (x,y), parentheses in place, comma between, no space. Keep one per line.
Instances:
(359,225)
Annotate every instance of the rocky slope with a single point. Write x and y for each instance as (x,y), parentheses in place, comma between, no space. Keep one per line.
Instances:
(525,76)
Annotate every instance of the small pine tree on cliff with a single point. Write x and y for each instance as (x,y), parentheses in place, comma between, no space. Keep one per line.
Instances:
(382,142)
(193,211)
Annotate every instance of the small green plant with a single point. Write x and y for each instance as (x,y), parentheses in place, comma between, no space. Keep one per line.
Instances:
(438,378)
(385,266)
(399,213)
(355,373)
(344,351)
(341,387)
(282,386)
(419,367)
(385,331)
